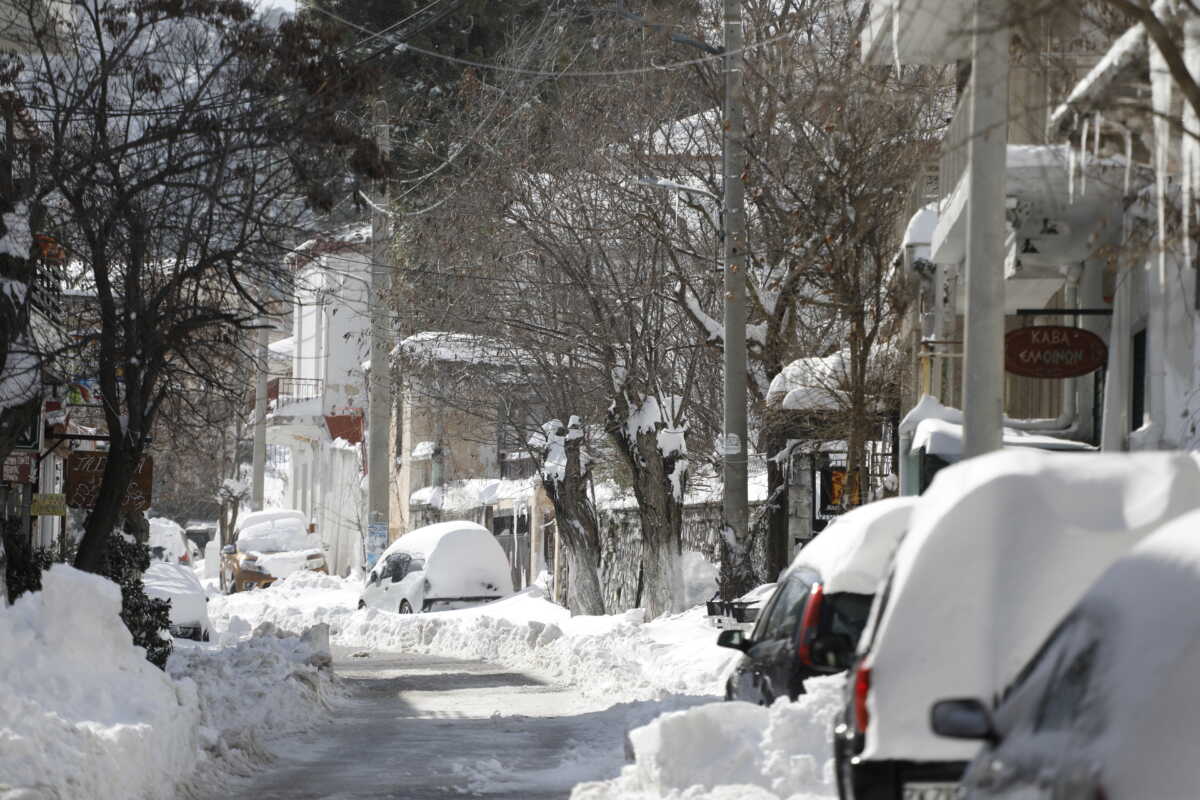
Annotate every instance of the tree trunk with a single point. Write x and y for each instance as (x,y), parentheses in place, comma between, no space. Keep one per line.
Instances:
(779,536)
(578,530)
(661,517)
(118,471)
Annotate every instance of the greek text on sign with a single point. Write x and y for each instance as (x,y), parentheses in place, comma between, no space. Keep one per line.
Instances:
(1053,351)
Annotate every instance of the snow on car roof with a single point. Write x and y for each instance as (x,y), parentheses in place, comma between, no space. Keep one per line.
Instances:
(259,517)
(423,541)
(998,549)
(852,554)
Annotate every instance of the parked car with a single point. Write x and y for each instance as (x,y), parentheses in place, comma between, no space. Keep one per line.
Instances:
(998,550)
(812,622)
(167,542)
(189,604)
(1108,707)
(438,567)
(269,545)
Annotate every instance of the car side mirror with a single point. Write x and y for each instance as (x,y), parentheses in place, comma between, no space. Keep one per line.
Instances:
(962,718)
(228,550)
(734,639)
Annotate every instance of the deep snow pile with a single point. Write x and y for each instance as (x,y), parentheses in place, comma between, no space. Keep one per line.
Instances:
(732,751)
(84,715)
(728,750)
(619,656)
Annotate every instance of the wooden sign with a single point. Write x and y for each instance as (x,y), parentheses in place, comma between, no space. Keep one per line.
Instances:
(1053,351)
(48,505)
(85,470)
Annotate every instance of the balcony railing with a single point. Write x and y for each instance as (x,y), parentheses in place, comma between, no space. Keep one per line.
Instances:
(953,161)
(297,390)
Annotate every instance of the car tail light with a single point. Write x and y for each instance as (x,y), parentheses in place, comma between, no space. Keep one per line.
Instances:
(183,559)
(809,622)
(862,687)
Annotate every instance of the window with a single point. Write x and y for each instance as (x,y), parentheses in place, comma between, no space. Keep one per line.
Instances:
(846,614)
(1063,700)
(397,565)
(1137,406)
(785,614)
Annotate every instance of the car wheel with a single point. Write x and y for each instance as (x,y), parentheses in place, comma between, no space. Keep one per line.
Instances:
(405,608)
(204,636)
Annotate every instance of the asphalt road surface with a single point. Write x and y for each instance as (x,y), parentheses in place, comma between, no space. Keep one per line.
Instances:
(420,727)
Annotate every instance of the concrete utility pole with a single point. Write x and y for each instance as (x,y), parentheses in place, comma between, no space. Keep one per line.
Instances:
(380,397)
(983,367)
(258,471)
(733,445)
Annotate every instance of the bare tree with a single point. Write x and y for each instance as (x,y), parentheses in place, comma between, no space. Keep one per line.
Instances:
(180,145)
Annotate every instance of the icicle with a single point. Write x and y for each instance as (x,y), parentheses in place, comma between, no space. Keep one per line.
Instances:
(1128,161)
(1083,159)
(1070,171)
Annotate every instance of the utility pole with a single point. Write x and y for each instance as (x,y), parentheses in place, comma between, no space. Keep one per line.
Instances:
(733,444)
(262,362)
(987,152)
(380,396)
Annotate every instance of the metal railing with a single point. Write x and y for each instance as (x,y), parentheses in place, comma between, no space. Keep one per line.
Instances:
(297,390)
(953,162)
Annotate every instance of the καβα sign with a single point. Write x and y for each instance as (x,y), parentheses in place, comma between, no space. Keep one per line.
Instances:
(1053,351)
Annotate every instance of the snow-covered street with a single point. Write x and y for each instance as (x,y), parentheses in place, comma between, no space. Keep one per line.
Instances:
(419,726)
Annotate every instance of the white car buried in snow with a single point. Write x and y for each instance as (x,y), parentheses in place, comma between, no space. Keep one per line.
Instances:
(438,567)
(189,609)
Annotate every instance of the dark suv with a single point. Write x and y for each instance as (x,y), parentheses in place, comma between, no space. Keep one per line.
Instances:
(801,632)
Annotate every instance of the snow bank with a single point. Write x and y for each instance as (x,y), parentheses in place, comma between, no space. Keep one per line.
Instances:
(728,751)
(617,656)
(82,713)
(267,685)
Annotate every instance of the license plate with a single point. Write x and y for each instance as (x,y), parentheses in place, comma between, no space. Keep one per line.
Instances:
(932,791)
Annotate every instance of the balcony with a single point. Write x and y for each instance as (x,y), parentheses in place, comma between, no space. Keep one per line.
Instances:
(292,391)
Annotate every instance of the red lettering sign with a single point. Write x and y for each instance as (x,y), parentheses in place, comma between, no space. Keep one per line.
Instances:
(1053,351)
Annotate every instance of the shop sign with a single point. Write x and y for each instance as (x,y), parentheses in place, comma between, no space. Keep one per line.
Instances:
(85,471)
(48,505)
(19,468)
(834,496)
(1053,351)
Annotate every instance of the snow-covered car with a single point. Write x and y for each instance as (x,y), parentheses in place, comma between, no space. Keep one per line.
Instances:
(998,550)
(167,542)
(812,623)
(438,567)
(189,604)
(269,545)
(1108,706)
